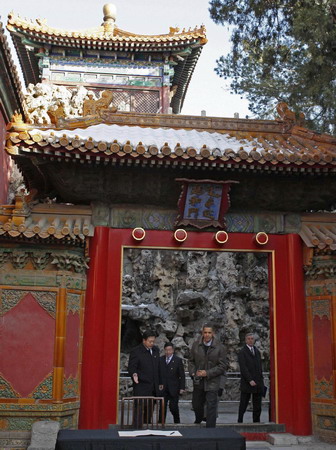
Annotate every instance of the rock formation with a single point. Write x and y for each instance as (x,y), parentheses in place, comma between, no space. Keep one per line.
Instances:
(43,98)
(176,292)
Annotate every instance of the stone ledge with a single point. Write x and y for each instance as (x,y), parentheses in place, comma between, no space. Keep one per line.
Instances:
(282,439)
(14,440)
(16,434)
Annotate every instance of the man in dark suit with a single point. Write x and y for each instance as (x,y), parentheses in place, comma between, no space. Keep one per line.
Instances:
(251,378)
(143,368)
(173,378)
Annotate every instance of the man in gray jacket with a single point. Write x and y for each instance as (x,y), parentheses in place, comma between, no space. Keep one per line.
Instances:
(206,365)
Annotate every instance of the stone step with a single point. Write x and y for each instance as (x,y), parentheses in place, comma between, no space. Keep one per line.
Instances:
(256,427)
(11,447)
(240,427)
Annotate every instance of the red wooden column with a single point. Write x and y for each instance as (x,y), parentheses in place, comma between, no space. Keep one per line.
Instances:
(301,400)
(165,100)
(100,372)
(291,342)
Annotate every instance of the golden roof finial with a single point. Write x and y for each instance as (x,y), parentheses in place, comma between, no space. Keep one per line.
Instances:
(17,117)
(17,123)
(173,30)
(287,115)
(110,15)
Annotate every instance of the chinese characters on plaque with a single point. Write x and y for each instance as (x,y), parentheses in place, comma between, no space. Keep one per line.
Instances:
(203,203)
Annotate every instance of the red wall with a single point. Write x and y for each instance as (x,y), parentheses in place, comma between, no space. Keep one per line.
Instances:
(322,338)
(27,344)
(289,371)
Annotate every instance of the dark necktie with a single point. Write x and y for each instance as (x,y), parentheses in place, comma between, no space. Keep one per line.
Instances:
(252,350)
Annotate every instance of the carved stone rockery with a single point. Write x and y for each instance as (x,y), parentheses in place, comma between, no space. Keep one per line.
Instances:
(176,292)
(46,103)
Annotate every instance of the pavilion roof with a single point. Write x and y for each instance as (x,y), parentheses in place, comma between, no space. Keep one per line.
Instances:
(39,31)
(248,145)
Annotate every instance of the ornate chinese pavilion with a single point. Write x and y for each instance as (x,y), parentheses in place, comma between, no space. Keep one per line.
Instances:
(103,162)
(148,74)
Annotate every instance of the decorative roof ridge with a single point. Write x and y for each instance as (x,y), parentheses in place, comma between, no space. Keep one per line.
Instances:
(201,31)
(313,135)
(12,70)
(45,29)
(147,120)
(222,125)
(40,25)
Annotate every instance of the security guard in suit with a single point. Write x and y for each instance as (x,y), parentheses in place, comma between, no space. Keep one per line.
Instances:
(173,378)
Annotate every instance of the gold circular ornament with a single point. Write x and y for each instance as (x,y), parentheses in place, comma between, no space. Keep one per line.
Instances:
(138,234)
(261,238)
(180,235)
(221,237)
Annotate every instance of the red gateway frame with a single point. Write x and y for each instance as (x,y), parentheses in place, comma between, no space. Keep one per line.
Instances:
(290,397)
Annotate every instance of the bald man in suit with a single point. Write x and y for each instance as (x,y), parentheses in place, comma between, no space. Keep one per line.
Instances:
(251,378)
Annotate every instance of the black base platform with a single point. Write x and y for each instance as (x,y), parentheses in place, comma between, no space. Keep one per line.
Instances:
(191,439)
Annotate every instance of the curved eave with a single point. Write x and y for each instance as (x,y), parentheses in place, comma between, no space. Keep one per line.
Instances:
(66,149)
(260,143)
(11,96)
(31,161)
(28,62)
(182,77)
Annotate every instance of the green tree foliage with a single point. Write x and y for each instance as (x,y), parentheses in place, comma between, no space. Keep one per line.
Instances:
(282,50)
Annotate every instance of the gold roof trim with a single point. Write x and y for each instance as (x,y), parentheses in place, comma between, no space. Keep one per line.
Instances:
(39,26)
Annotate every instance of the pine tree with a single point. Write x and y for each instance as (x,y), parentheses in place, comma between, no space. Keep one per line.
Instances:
(282,50)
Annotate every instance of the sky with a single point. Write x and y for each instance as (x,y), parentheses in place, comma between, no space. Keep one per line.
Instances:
(207,91)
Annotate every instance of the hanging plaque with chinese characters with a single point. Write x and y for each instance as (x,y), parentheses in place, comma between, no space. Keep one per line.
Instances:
(203,203)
